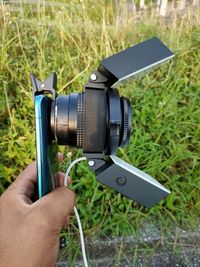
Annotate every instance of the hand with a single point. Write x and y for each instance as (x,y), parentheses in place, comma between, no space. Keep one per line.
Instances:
(29,232)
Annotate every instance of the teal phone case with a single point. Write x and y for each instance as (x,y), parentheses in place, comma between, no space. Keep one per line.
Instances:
(46,148)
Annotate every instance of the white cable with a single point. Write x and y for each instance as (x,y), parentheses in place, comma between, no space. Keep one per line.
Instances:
(76,212)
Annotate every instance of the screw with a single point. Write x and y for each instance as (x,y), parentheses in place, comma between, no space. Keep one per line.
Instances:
(121,181)
(91,163)
(93,77)
(42,85)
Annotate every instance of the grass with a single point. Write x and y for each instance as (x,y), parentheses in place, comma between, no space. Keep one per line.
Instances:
(165,140)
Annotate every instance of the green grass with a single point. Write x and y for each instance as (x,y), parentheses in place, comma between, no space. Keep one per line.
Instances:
(165,140)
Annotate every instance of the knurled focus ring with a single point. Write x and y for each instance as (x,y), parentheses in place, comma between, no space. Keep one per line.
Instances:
(125,119)
(79,134)
(125,112)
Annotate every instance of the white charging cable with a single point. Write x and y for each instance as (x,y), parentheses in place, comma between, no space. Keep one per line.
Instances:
(76,212)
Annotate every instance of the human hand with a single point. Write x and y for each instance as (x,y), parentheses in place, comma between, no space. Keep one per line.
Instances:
(29,232)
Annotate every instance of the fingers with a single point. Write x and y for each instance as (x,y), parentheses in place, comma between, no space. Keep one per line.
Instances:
(59,180)
(57,205)
(29,174)
(60,176)
(25,184)
(26,181)
(60,157)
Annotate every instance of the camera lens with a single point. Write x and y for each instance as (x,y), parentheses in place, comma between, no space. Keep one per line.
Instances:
(119,122)
(66,119)
(126,122)
(101,126)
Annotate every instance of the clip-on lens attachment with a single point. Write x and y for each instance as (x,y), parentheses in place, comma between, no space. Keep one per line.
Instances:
(98,120)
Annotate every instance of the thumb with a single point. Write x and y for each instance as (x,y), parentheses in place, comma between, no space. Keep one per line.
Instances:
(57,205)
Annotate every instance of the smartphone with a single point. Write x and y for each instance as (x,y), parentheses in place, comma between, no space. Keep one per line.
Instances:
(46,147)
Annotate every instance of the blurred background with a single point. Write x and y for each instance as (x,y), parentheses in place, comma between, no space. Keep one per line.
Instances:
(71,38)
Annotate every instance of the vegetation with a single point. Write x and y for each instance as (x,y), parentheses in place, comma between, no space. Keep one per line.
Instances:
(165,142)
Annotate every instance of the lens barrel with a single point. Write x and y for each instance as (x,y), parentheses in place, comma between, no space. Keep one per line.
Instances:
(126,122)
(68,121)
